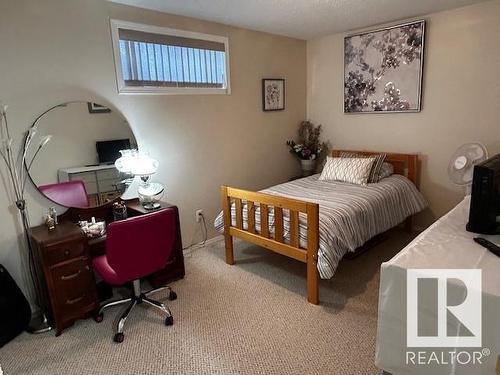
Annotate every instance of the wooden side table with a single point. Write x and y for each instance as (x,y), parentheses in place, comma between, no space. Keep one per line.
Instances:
(68,283)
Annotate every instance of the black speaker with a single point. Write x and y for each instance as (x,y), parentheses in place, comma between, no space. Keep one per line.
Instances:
(485,197)
(15,311)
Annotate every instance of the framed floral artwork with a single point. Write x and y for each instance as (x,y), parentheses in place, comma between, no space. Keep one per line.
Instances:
(273,94)
(383,69)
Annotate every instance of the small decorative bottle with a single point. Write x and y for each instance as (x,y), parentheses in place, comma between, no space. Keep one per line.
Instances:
(53,214)
(49,222)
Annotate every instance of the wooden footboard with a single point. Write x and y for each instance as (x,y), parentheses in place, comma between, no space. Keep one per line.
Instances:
(264,237)
(404,164)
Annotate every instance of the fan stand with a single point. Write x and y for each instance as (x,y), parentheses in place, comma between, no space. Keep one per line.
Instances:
(468,189)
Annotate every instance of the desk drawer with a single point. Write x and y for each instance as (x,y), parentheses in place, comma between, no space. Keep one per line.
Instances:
(91,187)
(64,251)
(89,180)
(108,185)
(111,173)
(74,286)
(84,176)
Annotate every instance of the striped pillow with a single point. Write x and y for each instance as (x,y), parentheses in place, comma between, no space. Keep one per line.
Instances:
(352,170)
(386,171)
(377,164)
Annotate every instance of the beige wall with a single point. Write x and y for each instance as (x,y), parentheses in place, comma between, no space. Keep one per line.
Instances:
(60,50)
(461,99)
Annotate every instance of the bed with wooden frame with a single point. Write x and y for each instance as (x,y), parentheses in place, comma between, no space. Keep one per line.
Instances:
(404,164)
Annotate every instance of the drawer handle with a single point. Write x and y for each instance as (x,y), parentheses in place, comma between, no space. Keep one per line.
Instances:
(74,300)
(66,252)
(72,276)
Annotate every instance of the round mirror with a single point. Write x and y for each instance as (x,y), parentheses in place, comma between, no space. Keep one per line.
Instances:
(71,150)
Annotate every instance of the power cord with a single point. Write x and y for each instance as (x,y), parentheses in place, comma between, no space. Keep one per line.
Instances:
(195,246)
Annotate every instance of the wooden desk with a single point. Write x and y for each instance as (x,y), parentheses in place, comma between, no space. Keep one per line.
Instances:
(64,260)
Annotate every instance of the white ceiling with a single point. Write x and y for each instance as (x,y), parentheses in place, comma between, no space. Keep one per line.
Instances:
(304,19)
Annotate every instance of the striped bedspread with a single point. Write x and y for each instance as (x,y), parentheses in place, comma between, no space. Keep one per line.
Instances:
(349,215)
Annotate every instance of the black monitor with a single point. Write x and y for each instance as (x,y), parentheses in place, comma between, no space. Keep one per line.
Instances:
(109,151)
(485,197)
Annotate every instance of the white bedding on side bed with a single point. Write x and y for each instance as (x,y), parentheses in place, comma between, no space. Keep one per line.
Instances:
(349,215)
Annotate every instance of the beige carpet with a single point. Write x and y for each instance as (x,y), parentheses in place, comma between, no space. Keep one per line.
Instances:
(250,318)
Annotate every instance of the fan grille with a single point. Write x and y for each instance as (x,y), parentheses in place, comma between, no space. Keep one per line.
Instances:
(461,166)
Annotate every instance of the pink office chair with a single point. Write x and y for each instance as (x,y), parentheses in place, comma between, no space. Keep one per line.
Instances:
(69,194)
(136,248)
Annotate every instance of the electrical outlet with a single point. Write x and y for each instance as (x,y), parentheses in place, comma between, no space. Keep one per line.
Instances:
(199,215)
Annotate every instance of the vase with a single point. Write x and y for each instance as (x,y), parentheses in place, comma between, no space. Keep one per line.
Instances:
(308,167)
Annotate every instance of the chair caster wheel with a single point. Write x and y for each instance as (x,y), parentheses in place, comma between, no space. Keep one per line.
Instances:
(169,321)
(119,337)
(99,317)
(172,296)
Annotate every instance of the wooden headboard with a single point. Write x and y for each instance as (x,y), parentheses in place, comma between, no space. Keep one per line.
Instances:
(405,164)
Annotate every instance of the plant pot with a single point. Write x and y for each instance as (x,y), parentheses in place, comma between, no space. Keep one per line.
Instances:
(308,167)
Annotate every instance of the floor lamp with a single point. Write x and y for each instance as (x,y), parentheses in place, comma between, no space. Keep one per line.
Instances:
(17,173)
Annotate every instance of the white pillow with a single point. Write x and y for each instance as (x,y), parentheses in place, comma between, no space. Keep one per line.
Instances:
(352,170)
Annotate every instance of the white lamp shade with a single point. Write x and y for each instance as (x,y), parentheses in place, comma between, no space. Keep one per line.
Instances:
(136,163)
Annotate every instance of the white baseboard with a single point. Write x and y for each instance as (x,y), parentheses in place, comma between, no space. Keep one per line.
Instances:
(210,241)
(215,239)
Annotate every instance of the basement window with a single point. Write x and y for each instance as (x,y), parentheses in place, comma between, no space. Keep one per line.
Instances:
(158,60)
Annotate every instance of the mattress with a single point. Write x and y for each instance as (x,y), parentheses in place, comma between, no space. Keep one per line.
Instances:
(349,215)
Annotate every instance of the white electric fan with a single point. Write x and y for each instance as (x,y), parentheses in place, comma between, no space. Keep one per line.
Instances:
(461,166)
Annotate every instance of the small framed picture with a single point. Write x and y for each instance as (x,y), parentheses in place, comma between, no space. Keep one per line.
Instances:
(273,94)
(97,108)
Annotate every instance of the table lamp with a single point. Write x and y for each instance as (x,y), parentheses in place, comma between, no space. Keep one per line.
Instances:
(143,166)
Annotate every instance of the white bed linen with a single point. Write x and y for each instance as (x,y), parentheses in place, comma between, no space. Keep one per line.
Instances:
(349,215)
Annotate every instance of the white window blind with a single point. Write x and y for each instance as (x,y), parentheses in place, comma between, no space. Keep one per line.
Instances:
(153,59)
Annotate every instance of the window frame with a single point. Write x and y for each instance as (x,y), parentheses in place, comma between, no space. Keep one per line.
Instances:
(162,90)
